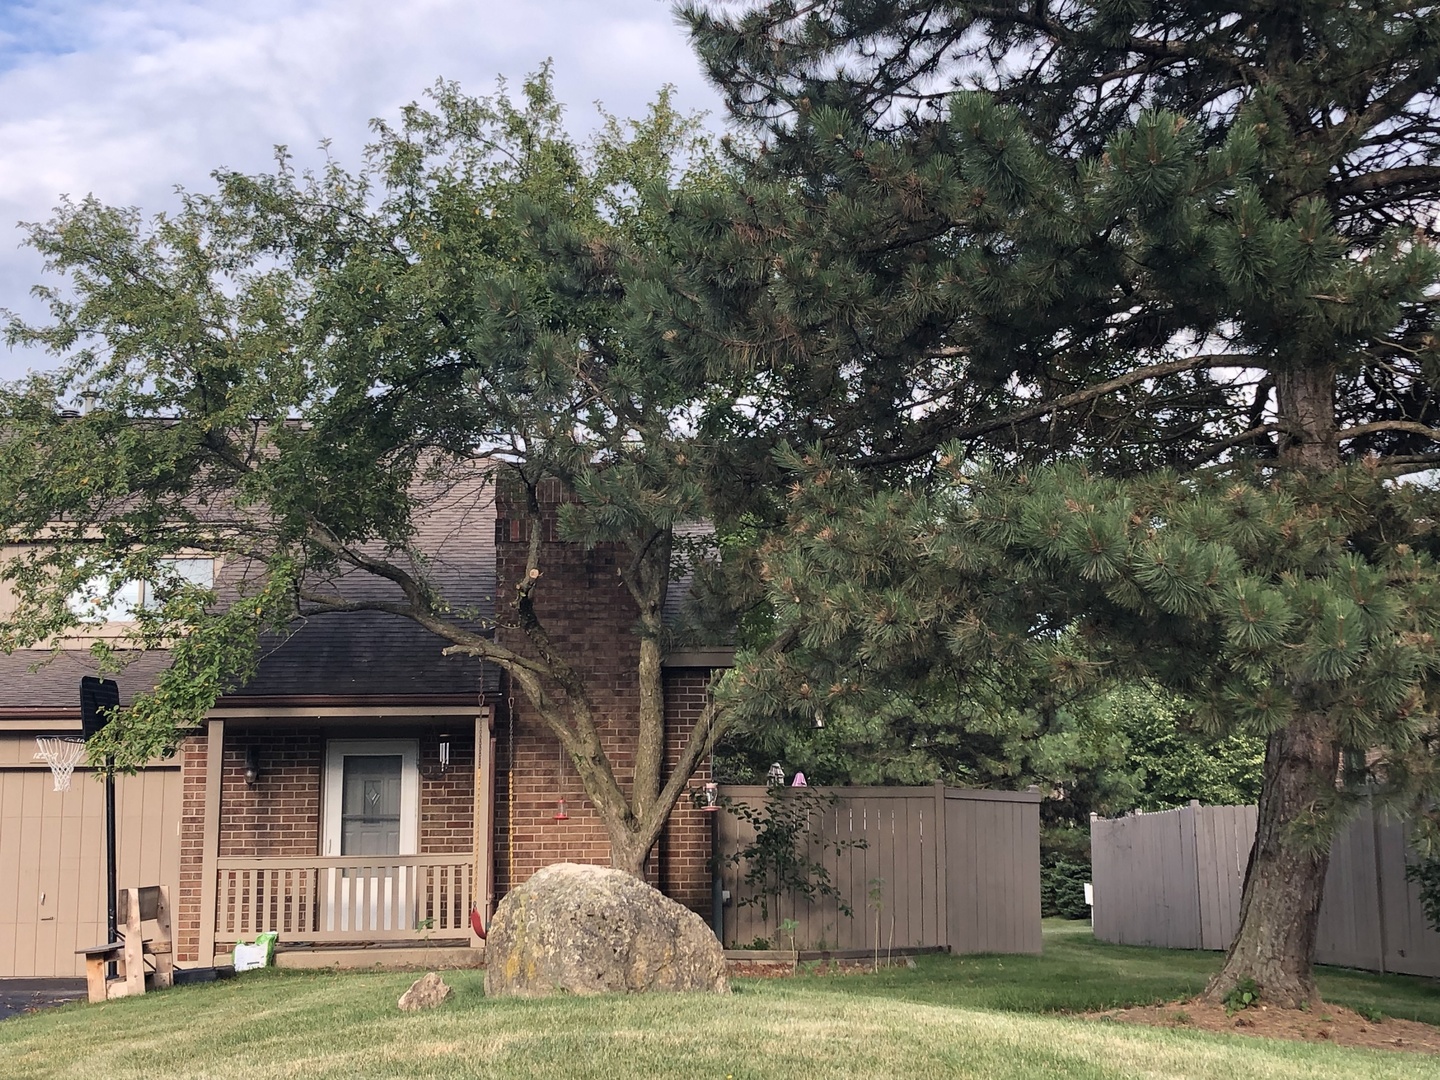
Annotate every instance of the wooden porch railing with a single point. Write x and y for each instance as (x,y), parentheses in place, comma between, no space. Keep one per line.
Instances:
(350,898)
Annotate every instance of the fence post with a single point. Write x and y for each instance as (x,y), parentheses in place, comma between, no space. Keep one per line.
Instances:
(942,868)
(1194,815)
(1379,886)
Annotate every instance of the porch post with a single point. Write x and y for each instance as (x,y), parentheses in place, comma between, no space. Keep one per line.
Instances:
(214,760)
(483,818)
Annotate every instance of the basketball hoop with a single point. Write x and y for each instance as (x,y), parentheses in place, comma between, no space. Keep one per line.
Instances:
(62,755)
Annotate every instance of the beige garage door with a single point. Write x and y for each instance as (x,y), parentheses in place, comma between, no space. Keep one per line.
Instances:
(52,857)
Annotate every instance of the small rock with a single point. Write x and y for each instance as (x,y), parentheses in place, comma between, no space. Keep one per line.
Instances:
(425,993)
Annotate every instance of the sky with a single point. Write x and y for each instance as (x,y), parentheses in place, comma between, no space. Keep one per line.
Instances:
(128,100)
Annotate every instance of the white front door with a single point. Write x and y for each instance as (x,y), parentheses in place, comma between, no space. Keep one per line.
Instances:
(372,801)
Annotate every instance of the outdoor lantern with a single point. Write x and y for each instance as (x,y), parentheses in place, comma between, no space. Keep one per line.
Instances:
(776,775)
(711,800)
(561,814)
(252,764)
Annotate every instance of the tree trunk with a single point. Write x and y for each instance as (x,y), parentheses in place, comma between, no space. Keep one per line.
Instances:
(630,847)
(1285,878)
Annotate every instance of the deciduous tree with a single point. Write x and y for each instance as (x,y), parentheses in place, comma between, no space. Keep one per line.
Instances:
(283,368)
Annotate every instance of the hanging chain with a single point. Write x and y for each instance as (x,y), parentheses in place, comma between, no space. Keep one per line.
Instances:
(510,787)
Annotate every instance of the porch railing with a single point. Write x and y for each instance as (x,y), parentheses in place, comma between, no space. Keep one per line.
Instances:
(351,898)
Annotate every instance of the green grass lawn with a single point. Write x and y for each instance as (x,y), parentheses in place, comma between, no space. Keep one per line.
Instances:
(950,1016)
(1079,974)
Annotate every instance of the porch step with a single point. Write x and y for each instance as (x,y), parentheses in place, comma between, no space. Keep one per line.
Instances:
(377,957)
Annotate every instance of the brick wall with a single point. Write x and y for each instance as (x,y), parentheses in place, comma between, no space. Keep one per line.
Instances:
(590,617)
(186,920)
(447,799)
(685,845)
(280,814)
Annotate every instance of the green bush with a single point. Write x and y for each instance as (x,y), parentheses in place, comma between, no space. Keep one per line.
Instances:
(1426,874)
(1062,886)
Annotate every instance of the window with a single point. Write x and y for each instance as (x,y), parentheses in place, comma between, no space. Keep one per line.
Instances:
(92,604)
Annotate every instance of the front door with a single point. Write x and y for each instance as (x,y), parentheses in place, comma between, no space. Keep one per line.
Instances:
(372,792)
(372,789)
(370,804)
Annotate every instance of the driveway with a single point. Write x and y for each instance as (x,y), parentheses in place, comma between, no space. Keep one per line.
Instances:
(23,995)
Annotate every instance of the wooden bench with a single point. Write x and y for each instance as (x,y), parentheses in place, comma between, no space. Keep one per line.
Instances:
(138,957)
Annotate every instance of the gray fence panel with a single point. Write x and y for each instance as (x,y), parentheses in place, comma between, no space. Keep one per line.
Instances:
(1411,947)
(919,867)
(1370,919)
(1223,835)
(1349,931)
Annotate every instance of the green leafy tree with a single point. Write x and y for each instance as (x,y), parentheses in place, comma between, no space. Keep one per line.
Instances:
(1155,755)
(289,367)
(1190,237)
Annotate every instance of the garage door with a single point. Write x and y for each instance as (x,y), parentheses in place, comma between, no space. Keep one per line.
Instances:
(52,858)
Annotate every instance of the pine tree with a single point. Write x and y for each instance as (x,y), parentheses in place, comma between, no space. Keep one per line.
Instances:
(1188,237)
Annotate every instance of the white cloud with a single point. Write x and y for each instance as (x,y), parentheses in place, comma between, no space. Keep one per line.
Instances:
(127,100)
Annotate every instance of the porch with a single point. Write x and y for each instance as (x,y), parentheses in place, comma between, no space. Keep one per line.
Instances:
(389,880)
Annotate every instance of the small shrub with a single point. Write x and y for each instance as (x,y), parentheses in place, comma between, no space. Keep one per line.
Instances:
(1241,996)
(1426,874)
(776,862)
(1062,887)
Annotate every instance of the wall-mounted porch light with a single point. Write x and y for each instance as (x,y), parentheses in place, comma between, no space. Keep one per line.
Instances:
(252,764)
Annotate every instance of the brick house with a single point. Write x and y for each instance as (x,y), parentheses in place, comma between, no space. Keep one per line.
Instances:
(362,791)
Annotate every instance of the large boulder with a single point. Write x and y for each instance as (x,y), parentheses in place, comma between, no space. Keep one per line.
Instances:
(592,930)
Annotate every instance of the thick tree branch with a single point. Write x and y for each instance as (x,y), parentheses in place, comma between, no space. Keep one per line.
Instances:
(1378,179)
(1408,427)
(1048,405)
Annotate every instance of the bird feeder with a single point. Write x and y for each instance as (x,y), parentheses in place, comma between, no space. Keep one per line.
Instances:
(710,800)
(561,811)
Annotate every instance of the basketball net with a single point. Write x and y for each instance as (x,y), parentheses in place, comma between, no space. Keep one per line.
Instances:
(62,755)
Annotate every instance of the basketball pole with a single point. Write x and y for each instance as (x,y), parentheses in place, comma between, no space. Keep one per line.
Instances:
(99,698)
(111,925)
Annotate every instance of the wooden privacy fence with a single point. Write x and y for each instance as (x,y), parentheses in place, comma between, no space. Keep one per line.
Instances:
(1173,879)
(947,867)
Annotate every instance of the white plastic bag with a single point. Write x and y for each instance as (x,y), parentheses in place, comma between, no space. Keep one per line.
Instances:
(249,957)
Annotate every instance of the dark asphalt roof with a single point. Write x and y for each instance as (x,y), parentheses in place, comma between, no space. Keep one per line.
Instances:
(334,653)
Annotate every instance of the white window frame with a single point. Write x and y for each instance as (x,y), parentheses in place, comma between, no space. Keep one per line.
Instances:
(336,751)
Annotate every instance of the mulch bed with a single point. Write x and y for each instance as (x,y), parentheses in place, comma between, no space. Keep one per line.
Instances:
(1325,1023)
